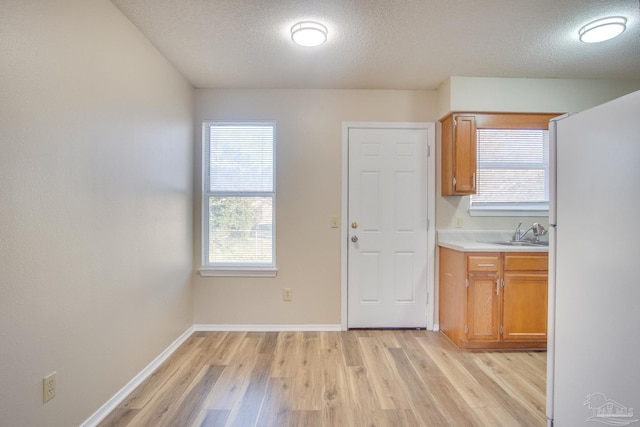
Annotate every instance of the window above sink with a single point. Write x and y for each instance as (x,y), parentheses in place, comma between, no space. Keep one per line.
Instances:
(512,152)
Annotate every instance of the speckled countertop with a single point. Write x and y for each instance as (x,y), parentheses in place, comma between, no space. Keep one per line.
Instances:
(477,241)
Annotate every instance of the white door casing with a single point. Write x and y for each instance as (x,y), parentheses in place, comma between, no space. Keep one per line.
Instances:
(388,270)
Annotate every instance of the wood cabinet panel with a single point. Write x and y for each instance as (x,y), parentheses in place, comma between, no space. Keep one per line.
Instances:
(513,120)
(452,293)
(483,307)
(446,156)
(464,154)
(483,263)
(458,144)
(493,300)
(458,159)
(526,262)
(524,309)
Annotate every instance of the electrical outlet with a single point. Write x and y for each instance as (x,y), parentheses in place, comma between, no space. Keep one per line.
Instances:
(458,222)
(49,387)
(287,294)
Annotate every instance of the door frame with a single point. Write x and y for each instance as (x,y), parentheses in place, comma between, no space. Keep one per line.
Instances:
(431,209)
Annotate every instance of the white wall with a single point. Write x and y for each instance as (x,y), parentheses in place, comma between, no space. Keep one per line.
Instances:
(518,95)
(308,150)
(96,151)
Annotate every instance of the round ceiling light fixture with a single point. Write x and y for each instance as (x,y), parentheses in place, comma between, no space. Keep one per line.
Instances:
(309,33)
(603,29)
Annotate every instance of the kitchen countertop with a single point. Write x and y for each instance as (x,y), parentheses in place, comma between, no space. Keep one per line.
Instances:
(472,241)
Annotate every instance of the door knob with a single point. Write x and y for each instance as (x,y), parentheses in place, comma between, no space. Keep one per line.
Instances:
(354,239)
(354,224)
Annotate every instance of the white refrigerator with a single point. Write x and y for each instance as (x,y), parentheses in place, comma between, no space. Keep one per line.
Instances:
(593,358)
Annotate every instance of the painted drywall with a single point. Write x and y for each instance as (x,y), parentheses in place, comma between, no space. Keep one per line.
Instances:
(96,152)
(444,98)
(309,162)
(518,95)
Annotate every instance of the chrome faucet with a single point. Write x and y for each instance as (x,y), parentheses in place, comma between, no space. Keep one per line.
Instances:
(517,235)
(538,230)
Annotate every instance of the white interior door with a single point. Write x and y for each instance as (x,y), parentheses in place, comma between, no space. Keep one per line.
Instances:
(387,228)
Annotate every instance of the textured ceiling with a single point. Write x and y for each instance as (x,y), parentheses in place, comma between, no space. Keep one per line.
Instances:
(384,44)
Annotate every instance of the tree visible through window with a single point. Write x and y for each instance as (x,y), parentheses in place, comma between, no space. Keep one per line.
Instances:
(239,195)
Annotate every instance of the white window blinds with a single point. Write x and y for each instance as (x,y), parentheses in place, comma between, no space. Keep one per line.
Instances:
(239,195)
(512,168)
(241,158)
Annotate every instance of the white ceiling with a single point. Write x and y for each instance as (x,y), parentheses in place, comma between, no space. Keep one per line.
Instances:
(384,44)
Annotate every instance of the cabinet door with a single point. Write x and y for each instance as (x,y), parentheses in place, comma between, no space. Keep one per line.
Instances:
(525,306)
(464,154)
(483,307)
(458,159)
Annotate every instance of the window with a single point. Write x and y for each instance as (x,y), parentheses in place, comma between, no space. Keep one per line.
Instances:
(238,199)
(512,169)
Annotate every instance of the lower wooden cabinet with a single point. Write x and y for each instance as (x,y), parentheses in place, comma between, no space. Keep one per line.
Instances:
(494,300)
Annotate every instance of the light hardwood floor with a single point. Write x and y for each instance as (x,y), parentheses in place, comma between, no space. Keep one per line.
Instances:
(354,378)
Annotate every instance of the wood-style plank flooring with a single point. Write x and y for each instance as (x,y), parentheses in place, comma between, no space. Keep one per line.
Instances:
(354,378)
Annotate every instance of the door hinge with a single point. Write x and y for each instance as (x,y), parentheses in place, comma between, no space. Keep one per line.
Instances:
(455,122)
(501,329)
(466,282)
(502,283)
(454,182)
(428,151)
(427,298)
(466,329)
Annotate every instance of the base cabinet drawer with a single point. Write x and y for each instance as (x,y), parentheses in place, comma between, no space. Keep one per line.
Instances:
(483,263)
(520,261)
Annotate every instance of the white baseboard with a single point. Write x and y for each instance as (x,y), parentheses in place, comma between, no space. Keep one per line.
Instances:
(266,328)
(112,403)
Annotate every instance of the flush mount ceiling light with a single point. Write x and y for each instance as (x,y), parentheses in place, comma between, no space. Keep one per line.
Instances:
(603,29)
(309,33)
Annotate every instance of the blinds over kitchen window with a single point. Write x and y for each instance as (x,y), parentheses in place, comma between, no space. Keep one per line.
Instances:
(239,195)
(512,169)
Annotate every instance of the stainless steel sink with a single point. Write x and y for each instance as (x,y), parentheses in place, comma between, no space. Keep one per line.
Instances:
(518,243)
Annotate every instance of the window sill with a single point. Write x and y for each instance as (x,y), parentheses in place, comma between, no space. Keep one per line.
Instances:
(237,272)
(531,211)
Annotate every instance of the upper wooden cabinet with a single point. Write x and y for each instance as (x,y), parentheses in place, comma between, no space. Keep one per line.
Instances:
(459,144)
(459,155)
